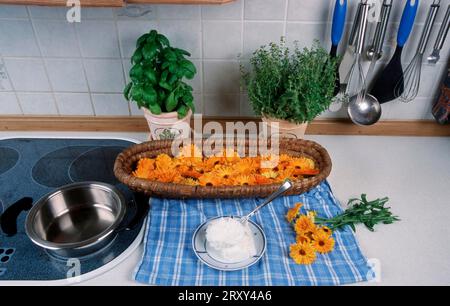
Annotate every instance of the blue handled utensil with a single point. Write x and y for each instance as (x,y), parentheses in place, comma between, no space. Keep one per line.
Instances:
(337,28)
(384,89)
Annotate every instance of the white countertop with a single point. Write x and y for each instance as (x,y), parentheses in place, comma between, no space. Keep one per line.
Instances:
(414,172)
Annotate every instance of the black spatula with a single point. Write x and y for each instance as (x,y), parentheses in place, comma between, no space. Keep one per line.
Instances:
(392,75)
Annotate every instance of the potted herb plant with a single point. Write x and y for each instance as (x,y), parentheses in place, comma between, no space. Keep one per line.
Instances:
(290,87)
(158,88)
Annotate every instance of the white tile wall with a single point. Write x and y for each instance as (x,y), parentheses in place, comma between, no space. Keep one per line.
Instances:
(37,103)
(73,104)
(66,74)
(9,104)
(56,38)
(105,75)
(110,104)
(27,74)
(98,38)
(17,38)
(53,67)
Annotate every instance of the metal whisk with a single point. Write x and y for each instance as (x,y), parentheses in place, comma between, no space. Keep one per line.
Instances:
(355,77)
(411,76)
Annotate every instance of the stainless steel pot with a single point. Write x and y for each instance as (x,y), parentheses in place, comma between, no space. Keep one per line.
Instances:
(77,219)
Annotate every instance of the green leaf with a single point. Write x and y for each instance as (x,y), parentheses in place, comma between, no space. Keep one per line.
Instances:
(171,102)
(163,40)
(170,55)
(154,108)
(149,51)
(137,56)
(165,85)
(189,69)
(150,74)
(182,52)
(136,73)
(152,36)
(126,91)
(136,93)
(149,94)
(173,78)
(182,111)
(141,40)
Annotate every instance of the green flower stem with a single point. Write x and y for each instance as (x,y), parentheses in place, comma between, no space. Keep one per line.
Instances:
(361,211)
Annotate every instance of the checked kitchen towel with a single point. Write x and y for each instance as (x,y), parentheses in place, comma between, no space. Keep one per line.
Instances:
(169,259)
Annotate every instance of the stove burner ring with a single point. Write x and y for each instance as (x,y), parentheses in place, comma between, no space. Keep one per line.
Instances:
(102,253)
(9,158)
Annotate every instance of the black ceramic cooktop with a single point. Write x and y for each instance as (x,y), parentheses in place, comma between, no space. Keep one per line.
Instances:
(32,167)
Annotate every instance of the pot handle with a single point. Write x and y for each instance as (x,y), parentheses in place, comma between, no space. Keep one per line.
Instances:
(136,210)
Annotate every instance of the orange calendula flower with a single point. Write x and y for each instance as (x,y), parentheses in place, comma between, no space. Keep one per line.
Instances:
(302,253)
(144,168)
(322,242)
(262,180)
(325,230)
(165,175)
(269,173)
(209,179)
(164,161)
(301,163)
(245,166)
(243,180)
(224,172)
(293,212)
(304,225)
(284,174)
(188,181)
(302,238)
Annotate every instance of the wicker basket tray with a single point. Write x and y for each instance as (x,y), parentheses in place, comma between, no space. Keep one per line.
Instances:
(126,162)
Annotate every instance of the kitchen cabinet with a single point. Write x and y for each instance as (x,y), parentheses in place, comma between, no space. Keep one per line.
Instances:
(98,3)
(112,3)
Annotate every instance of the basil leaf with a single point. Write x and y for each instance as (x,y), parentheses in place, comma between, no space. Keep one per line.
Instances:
(182,52)
(150,74)
(163,40)
(136,73)
(165,85)
(136,92)
(149,94)
(126,91)
(182,111)
(171,102)
(149,51)
(154,108)
(141,40)
(137,56)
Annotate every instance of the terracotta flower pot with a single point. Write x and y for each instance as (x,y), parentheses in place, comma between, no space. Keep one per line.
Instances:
(168,125)
(285,128)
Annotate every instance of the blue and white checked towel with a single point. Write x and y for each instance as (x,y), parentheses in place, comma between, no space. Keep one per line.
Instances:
(169,258)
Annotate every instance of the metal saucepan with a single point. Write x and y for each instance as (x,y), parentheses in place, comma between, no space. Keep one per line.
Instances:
(77,219)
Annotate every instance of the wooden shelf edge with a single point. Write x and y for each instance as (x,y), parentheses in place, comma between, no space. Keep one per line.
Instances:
(84,3)
(216,2)
(139,124)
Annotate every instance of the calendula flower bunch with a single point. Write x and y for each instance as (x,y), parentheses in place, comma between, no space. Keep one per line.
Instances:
(225,168)
(310,238)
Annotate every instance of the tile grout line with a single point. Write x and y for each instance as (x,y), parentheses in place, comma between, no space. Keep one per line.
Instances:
(44,63)
(119,45)
(12,86)
(286,8)
(83,65)
(241,99)
(202,53)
